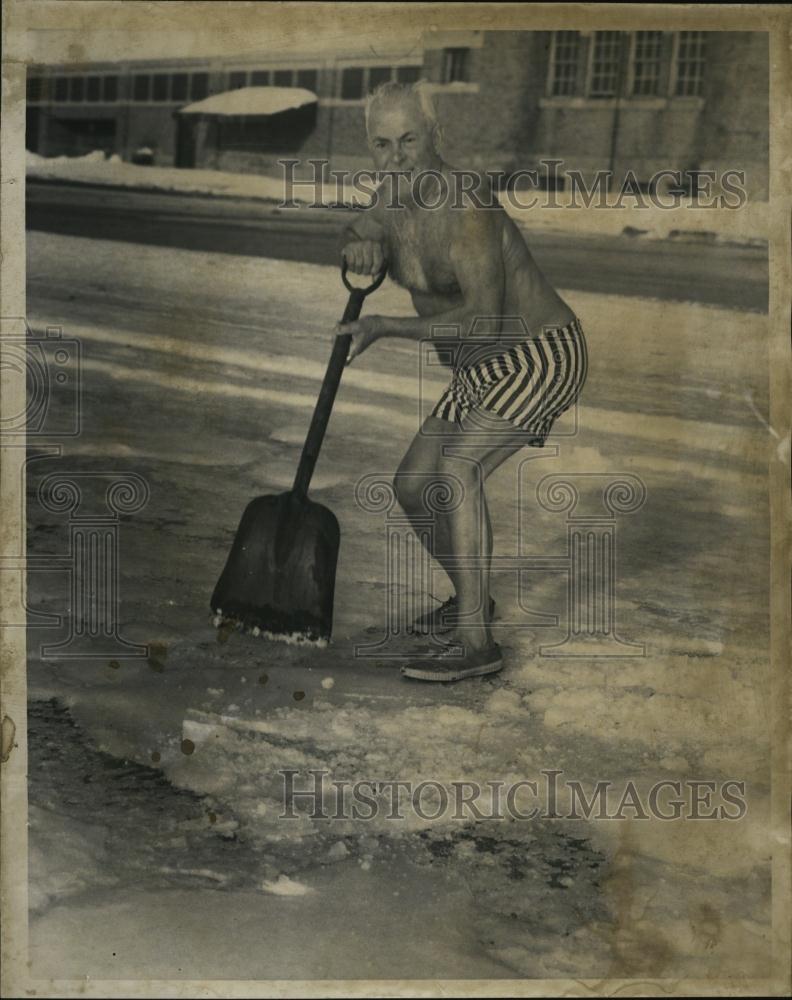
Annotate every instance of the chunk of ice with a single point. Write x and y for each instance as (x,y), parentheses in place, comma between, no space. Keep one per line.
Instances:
(284,886)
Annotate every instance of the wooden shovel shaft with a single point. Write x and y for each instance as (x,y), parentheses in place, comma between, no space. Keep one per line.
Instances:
(327,394)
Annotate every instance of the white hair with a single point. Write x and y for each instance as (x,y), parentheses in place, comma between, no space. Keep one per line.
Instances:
(392,92)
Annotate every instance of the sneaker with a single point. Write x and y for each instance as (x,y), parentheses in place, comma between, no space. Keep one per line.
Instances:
(442,618)
(446,666)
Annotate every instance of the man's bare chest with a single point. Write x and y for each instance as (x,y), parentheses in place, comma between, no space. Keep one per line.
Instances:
(419,254)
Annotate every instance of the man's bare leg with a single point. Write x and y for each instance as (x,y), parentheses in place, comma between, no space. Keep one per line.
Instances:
(466,526)
(462,456)
(481,447)
(418,471)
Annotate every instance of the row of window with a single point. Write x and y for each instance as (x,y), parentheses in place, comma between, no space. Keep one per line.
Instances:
(305,78)
(104,89)
(170,87)
(606,64)
(635,63)
(356,82)
(160,87)
(73,88)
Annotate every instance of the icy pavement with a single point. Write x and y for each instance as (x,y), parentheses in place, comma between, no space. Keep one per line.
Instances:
(149,885)
(200,374)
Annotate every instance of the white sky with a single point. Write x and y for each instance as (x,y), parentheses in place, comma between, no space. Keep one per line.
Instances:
(102,46)
(126,30)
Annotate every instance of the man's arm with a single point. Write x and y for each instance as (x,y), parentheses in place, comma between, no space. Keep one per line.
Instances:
(363,241)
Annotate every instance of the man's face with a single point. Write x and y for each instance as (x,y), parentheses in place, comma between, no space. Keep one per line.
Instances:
(401,139)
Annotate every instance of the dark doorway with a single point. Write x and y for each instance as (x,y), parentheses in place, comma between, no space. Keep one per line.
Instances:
(283,132)
(77,136)
(185,141)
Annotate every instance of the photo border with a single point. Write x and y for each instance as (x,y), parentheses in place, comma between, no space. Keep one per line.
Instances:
(79,16)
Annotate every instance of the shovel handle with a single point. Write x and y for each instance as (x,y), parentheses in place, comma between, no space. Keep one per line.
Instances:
(327,393)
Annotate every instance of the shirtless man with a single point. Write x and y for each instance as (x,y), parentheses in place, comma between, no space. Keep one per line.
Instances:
(462,264)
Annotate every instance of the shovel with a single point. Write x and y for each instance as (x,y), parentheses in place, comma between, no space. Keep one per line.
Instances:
(279,578)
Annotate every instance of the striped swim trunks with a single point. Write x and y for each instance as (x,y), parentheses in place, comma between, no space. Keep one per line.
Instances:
(529,383)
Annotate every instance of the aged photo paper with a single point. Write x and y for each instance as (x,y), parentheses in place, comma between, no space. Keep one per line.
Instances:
(395,478)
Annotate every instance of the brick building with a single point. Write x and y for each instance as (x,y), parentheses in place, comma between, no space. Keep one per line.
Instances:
(639,100)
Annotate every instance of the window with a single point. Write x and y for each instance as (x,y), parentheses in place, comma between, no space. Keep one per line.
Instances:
(160,89)
(93,88)
(455,65)
(378,75)
(646,62)
(141,88)
(179,86)
(283,77)
(61,88)
(77,88)
(237,79)
(564,68)
(690,64)
(408,74)
(110,88)
(307,78)
(352,83)
(34,88)
(260,78)
(605,60)
(199,86)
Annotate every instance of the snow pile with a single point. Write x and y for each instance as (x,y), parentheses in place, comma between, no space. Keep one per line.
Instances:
(252,101)
(638,217)
(219,621)
(284,886)
(95,168)
(34,161)
(656,702)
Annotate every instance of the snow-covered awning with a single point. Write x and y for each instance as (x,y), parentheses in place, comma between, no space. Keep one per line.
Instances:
(251,101)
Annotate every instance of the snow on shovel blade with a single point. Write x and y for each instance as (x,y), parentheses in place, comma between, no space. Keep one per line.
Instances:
(279,578)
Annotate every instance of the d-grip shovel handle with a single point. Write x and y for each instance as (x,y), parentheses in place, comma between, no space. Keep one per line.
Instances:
(327,393)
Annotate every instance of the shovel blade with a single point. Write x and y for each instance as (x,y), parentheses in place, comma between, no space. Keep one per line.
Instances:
(279,578)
